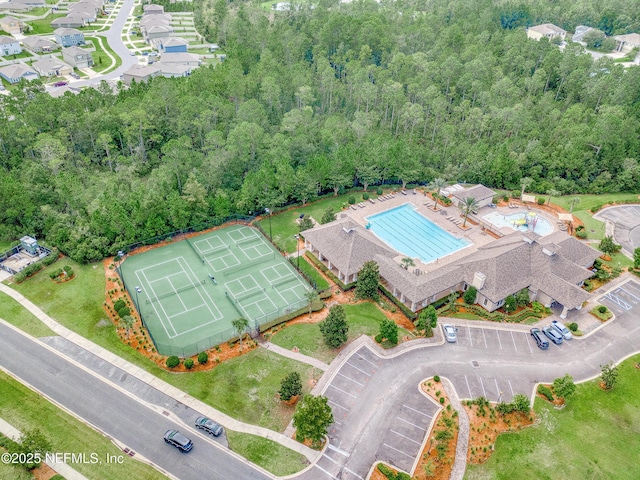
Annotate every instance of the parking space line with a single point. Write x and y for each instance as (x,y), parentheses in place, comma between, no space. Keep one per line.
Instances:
(404,436)
(554,343)
(511,388)
(499,341)
(629,293)
(483,390)
(564,342)
(339,389)
(336,422)
(411,423)
(468,387)
(526,337)
(331,459)
(371,363)
(513,339)
(399,451)
(353,473)
(338,405)
(485,338)
(338,450)
(417,411)
(470,337)
(349,378)
(320,468)
(362,371)
(498,388)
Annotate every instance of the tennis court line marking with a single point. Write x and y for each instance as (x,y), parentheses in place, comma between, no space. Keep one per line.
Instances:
(216,315)
(148,285)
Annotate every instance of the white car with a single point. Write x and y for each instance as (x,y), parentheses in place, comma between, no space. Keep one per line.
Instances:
(561,329)
(450,333)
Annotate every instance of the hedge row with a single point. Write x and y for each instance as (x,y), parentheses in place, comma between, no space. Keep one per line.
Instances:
(391,475)
(329,273)
(407,311)
(310,274)
(495,316)
(37,266)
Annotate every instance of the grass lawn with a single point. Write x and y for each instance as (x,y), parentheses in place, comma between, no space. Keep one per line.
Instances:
(25,409)
(595,228)
(101,61)
(363,319)
(6,245)
(589,201)
(20,317)
(8,471)
(284,226)
(270,455)
(305,267)
(43,25)
(594,437)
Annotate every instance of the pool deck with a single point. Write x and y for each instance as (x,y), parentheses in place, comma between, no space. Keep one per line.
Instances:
(474,233)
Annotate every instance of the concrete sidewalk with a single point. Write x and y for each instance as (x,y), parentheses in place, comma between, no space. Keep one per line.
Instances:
(62,468)
(300,357)
(158,384)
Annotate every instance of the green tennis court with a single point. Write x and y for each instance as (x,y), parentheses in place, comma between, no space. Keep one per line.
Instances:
(189,292)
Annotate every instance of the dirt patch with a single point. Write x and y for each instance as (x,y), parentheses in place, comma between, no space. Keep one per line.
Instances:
(43,472)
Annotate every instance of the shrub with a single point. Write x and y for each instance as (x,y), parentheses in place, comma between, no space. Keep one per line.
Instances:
(515,194)
(537,307)
(67,269)
(602,309)
(469,296)
(365,196)
(118,304)
(546,392)
(581,234)
(69,272)
(436,378)
(172,361)
(123,312)
(573,327)
(579,228)
(290,386)
(188,363)
(441,399)
(351,200)
(203,357)
(505,198)
(378,338)
(595,208)
(379,191)
(541,200)
(597,264)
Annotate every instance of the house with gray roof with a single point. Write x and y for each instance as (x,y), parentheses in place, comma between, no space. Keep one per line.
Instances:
(38,44)
(173,70)
(68,37)
(77,57)
(11,25)
(482,195)
(16,72)
(140,73)
(189,59)
(546,30)
(70,21)
(626,43)
(552,268)
(9,46)
(153,9)
(51,67)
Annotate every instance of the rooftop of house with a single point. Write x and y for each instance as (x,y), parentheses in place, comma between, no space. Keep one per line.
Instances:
(546,28)
(479,192)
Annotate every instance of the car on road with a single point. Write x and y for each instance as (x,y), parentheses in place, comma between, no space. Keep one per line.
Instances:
(450,333)
(553,334)
(178,440)
(132,53)
(74,75)
(60,84)
(542,342)
(562,329)
(209,426)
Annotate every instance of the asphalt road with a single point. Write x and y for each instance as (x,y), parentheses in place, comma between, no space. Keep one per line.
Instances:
(136,425)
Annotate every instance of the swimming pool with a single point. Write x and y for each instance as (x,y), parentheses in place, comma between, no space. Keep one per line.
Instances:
(522,221)
(408,232)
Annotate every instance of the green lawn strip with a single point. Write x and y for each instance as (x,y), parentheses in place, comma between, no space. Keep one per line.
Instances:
(270,455)
(13,472)
(25,409)
(305,267)
(595,228)
(363,319)
(101,61)
(284,226)
(43,25)
(20,317)
(6,245)
(594,436)
(587,202)
(246,387)
(617,259)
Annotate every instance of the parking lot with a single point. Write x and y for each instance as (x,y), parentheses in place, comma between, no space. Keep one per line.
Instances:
(622,299)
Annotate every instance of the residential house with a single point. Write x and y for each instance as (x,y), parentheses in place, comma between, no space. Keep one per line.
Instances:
(22,5)
(172,45)
(140,73)
(77,57)
(548,30)
(152,20)
(626,43)
(188,59)
(60,91)
(9,46)
(70,21)
(51,67)
(153,9)
(482,195)
(581,31)
(173,70)
(38,44)
(68,37)
(157,31)
(11,25)
(17,71)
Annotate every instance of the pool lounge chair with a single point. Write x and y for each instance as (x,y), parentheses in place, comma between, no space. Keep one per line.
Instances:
(353,207)
(371,200)
(404,192)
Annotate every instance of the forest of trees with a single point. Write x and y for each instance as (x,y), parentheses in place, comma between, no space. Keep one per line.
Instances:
(314,100)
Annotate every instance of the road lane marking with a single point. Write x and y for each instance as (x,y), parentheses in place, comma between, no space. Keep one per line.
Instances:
(404,436)
(499,341)
(417,411)
(339,450)
(349,378)
(485,338)
(468,387)
(320,468)
(353,473)
(351,365)
(399,451)
(513,339)
(482,385)
(411,423)
(339,389)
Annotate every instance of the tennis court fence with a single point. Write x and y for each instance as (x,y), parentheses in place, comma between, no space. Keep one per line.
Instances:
(176,291)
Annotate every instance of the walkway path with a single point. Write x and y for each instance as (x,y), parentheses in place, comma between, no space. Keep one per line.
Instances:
(63,469)
(462,446)
(157,383)
(300,357)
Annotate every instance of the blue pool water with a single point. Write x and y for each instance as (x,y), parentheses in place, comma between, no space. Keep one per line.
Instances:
(408,232)
(522,221)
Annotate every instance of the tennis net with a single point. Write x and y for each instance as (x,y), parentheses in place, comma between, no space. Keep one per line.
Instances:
(176,291)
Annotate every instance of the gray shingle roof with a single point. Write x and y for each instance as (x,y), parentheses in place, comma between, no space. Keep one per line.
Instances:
(479,192)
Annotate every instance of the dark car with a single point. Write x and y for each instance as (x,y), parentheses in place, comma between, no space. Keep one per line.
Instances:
(60,84)
(178,440)
(542,342)
(209,426)
(553,334)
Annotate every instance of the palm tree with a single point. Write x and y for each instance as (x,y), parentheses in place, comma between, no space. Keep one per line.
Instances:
(437,183)
(552,193)
(127,322)
(240,324)
(573,202)
(525,182)
(407,262)
(468,206)
(311,296)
